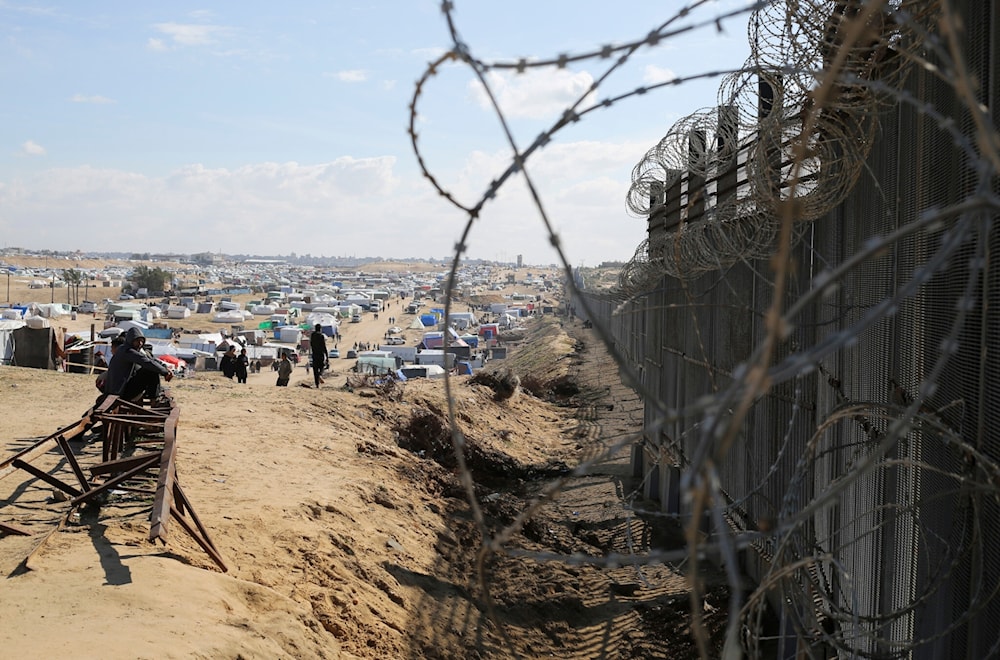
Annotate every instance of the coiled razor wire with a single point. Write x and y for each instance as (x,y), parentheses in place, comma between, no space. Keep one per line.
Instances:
(827,67)
(794,43)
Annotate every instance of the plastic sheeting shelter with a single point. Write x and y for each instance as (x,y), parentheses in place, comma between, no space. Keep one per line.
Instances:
(34,348)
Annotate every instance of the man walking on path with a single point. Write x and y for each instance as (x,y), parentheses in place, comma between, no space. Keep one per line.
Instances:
(317,345)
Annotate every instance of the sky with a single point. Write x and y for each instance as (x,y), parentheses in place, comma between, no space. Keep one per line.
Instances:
(268,128)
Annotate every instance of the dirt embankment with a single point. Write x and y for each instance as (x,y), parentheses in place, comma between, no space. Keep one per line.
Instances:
(545,590)
(344,519)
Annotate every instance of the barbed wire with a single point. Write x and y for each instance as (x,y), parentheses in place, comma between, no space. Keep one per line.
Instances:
(741,183)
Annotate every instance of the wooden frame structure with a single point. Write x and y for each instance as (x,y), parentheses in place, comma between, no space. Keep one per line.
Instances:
(147,433)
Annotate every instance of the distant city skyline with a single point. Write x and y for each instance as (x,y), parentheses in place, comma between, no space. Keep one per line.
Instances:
(263,129)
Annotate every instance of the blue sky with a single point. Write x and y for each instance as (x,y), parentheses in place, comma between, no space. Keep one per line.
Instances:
(270,128)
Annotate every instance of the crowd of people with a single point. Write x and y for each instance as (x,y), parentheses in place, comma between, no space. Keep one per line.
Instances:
(133,372)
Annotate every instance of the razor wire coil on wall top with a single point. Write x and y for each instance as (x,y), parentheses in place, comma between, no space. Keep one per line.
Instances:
(803,113)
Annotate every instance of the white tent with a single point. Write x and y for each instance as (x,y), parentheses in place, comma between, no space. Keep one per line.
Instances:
(231,316)
(7,328)
(323,318)
(415,324)
(263,310)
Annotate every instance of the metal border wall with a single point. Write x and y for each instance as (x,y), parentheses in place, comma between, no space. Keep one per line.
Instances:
(686,338)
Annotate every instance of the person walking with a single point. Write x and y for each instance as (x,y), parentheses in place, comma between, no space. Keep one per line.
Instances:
(284,370)
(317,345)
(228,362)
(242,366)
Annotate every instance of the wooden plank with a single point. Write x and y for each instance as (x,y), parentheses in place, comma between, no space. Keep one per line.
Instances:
(73,463)
(163,501)
(182,499)
(46,477)
(120,465)
(31,555)
(207,547)
(126,416)
(111,483)
(7,528)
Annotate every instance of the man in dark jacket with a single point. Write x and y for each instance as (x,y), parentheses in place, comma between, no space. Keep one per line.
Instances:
(228,362)
(317,345)
(134,372)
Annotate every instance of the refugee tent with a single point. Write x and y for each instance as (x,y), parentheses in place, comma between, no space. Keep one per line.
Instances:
(436,356)
(415,324)
(228,316)
(207,343)
(35,347)
(7,328)
(347,311)
(433,340)
(149,314)
(53,310)
(178,312)
(289,334)
(328,322)
(372,364)
(423,371)
(131,323)
(428,320)
(263,310)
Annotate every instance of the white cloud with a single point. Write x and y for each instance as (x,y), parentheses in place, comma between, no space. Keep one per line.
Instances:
(535,94)
(157,45)
(582,186)
(360,206)
(388,85)
(191,34)
(95,98)
(352,75)
(32,148)
(654,75)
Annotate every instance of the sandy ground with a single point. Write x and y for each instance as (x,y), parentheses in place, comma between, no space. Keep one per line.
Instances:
(345,525)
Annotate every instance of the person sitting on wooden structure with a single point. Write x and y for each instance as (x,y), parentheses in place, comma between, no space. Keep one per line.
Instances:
(134,372)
